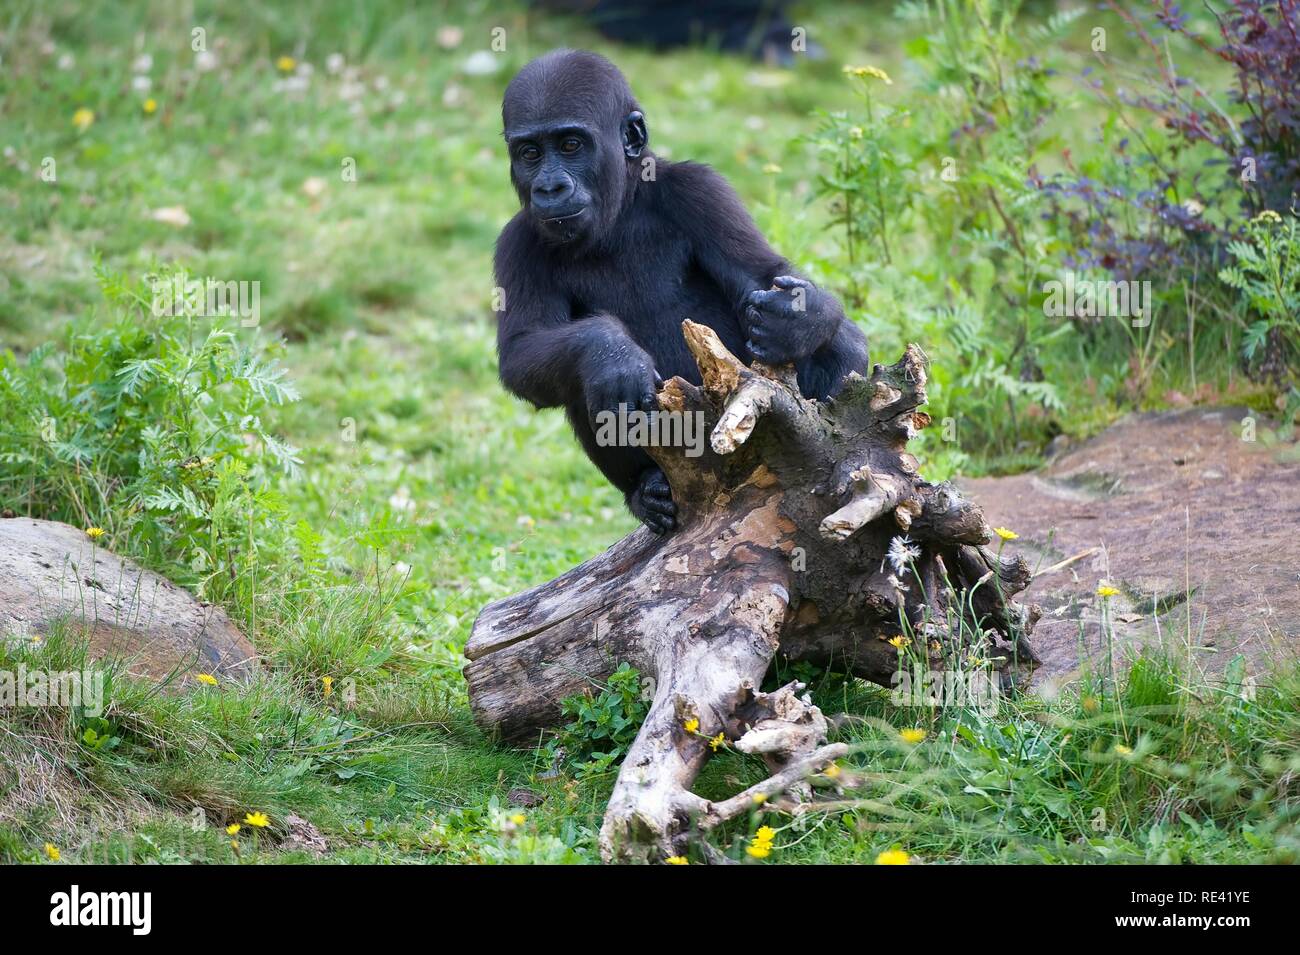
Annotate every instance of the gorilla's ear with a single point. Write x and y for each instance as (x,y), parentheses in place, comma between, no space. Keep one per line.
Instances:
(635,136)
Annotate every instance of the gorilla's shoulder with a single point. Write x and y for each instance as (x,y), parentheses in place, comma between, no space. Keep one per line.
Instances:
(695,188)
(694,176)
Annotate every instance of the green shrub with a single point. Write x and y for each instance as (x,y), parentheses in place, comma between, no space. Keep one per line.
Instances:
(152,427)
(602,726)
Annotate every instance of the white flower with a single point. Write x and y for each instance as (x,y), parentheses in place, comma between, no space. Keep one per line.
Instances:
(334,63)
(482,63)
(141,84)
(67,61)
(453,94)
(143,63)
(171,215)
(901,554)
(205,61)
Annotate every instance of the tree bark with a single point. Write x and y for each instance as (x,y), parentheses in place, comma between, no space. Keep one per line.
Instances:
(803,529)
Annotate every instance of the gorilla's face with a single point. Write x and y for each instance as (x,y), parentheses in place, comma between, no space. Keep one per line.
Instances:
(563,174)
(575,136)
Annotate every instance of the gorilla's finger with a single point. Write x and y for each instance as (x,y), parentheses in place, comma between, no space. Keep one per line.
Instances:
(760,297)
(656,483)
(659,506)
(659,379)
(659,502)
(648,403)
(658,523)
(791,281)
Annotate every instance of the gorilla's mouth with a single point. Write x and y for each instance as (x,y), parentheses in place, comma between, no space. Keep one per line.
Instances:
(567,219)
(566,227)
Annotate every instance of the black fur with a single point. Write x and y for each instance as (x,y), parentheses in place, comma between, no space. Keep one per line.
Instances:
(600,267)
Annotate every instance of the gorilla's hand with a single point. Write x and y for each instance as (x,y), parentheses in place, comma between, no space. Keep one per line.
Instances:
(789,322)
(651,501)
(626,378)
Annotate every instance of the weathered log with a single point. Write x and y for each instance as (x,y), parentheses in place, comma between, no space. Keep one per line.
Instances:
(803,529)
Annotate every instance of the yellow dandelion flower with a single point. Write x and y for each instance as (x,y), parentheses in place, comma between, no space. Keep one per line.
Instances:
(912,735)
(760,798)
(82,118)
(1123,750)
(233,828)
(1006,535)
(717,741)
(899,642)
(832,771)
(150,106)
(207,679)
(1106,590)
(52,852)
(327,685)
(875,72)
(257,820)
(691,725)
(286,64)
(676,860)
(94,533)
(893,857)
(760,847)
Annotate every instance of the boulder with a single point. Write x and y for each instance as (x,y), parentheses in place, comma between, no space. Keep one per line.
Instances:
(51,571)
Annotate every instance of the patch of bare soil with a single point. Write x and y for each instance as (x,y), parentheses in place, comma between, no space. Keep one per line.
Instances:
(1196,524)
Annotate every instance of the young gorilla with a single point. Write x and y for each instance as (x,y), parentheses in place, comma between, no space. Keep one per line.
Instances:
(602,264)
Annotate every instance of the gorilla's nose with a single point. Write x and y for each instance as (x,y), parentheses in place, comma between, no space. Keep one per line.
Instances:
(553,193)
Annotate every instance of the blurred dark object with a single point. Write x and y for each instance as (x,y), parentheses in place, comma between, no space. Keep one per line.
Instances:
(759,28)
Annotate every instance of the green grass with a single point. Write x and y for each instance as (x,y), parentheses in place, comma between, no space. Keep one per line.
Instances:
(426,491)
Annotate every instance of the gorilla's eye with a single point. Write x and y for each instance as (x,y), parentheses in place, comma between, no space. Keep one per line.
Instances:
(530,153)
(570,145)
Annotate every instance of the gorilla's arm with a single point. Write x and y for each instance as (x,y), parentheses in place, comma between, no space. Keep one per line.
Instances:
(549,357)
(786,317)
(586,365)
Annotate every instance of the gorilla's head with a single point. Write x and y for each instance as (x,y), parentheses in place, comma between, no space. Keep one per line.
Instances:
(575,134)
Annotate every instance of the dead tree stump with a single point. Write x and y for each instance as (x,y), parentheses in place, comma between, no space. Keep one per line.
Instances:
(804,529)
